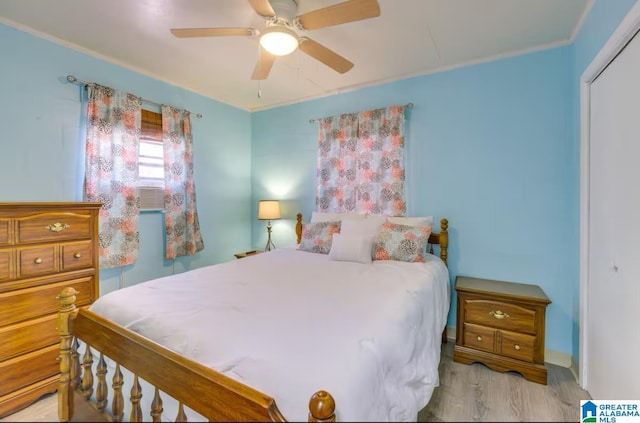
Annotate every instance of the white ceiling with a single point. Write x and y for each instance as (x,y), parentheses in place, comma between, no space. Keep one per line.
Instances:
(409,38)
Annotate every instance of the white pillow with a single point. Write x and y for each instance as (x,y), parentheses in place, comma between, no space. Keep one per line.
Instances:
(412,221)
(360,227)
(351,248)
(331,217)
(370,226)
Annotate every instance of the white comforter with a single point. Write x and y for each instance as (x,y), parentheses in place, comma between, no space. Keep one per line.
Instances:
(290,323)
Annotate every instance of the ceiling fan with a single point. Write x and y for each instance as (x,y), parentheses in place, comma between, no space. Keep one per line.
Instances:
(280,37)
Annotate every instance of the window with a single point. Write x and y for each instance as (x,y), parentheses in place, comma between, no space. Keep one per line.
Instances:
(151,162)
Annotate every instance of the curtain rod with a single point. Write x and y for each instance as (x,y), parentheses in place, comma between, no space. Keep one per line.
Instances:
(75,80)
(319,119)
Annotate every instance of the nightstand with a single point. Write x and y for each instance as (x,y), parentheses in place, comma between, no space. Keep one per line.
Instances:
(501,324)
(247,253)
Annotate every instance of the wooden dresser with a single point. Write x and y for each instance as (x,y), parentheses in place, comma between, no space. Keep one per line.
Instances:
(44,247)
(501,324)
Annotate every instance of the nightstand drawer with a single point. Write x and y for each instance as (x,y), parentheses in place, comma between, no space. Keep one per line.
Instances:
(479,337)
(500,315)
(517,345)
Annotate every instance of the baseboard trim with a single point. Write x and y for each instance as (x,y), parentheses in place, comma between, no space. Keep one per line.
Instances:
(550,356)
(451,333)
(575,370)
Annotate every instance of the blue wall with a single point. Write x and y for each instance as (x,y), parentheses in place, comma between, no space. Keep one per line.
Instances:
(43,148)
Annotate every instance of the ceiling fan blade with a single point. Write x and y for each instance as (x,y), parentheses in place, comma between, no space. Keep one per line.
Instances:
(211,32)
(263,67)
(262,7)
(348,11)
(325,55)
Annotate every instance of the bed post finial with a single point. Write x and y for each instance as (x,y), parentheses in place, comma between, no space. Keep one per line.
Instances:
(444,239)
(299,228)
(68,311)
(322,407)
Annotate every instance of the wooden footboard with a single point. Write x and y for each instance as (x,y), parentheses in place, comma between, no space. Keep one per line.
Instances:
(204,390)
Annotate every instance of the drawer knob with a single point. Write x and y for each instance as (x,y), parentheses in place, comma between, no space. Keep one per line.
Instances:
(57,227)
(498,314)
(479,338)
(38,260)
(517,347)
(77,255)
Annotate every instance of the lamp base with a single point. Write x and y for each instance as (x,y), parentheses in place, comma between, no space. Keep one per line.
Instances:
(270,245)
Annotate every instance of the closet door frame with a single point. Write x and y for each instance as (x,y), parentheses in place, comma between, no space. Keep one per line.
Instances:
(616,43)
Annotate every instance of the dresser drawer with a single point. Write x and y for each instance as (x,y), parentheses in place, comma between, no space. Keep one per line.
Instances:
(28,336)
(6,264)
(4,231)
(46,227)
(479,337)
(29,368)
(23,304)
(500,314)
(77,255)
(33,261)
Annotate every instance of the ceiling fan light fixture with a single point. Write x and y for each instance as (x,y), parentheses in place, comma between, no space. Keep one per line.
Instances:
(279,40)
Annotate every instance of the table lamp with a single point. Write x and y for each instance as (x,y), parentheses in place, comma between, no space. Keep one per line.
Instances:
(269,210)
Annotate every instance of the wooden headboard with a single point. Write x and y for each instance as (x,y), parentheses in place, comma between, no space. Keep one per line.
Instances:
(436,238)
(440,238)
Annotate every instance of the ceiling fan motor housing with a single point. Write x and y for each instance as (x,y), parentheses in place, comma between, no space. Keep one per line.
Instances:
(284,10)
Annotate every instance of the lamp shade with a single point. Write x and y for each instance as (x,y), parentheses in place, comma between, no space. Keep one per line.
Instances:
(268,209)
(279,40)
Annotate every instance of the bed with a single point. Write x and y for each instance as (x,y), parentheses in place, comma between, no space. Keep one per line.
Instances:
(295,328)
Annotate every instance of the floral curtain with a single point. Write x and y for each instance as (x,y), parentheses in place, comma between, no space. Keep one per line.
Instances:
(181,217)
(111,172)
(337,164)
(361,163)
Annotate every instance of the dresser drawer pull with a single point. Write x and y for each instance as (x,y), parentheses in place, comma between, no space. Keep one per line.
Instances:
(57,227)
(479,338)
(38,260)
(498,314)
(517,347)
(77,255)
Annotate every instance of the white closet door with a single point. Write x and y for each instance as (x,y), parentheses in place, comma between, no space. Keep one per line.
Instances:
(613,289)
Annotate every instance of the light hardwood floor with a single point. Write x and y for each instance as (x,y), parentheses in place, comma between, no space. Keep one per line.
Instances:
(475,393)
(467,393)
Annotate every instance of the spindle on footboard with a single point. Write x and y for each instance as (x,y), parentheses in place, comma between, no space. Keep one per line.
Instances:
(213,395)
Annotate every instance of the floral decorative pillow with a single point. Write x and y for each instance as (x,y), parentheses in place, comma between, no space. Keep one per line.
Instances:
(317,237)
(402,243)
